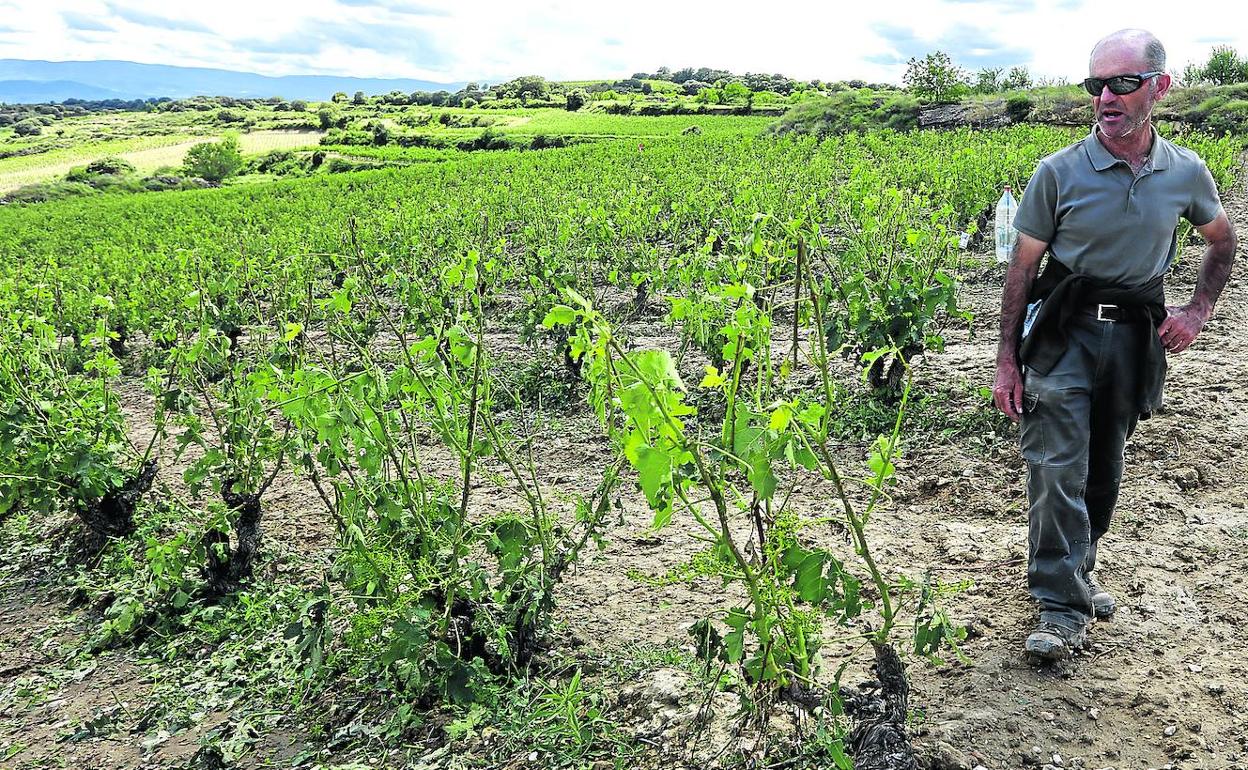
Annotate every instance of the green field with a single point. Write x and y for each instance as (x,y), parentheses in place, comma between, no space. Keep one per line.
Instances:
(146,154)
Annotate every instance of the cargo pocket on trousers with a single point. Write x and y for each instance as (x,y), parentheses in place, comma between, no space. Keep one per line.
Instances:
(1031,430)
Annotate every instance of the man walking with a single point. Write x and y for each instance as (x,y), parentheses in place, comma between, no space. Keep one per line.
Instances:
(1082,353)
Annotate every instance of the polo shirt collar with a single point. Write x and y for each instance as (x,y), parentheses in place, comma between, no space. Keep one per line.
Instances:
(1159,156)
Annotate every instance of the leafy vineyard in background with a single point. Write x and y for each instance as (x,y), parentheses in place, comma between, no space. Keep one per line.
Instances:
(347,329)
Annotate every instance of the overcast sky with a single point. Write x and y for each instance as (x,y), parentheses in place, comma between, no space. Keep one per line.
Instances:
(491,41)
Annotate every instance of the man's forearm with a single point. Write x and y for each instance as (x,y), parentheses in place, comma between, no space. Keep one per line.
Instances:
(1018,280)
(1215,270)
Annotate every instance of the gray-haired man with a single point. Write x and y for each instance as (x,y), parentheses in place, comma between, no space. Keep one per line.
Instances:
(1082,353)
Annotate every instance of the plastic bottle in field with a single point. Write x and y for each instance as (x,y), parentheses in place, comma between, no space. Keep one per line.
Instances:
(1006,234)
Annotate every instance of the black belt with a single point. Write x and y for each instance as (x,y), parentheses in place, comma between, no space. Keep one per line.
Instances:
(1102,312)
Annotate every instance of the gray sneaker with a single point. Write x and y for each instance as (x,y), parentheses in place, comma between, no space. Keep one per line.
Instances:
(1103,604)
(1052,641)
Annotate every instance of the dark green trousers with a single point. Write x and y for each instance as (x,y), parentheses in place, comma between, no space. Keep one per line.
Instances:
(1076,421)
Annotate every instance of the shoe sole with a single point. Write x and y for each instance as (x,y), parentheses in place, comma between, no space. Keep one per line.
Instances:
(1051,647)
(1104,610)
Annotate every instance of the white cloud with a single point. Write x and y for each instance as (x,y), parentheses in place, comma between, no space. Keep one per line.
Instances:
(491,40)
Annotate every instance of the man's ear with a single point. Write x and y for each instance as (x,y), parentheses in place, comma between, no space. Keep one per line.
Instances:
(1163,84)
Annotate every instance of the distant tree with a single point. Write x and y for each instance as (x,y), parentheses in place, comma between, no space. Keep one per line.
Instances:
(1223,67)
(935,77)
(214,161)
(359,98)
(711,75)
(298,105)
(339,97)
(1017,78)
(711,96)
(663,73)
(682,75)
(576,99)
(988,80)
(470,91)
(326,118)
(469,102)
(524,88)
(229,116)
(736,92)
(439,98)
(759,81)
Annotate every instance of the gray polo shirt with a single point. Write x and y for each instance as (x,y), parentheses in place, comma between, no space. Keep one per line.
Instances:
(1102,220)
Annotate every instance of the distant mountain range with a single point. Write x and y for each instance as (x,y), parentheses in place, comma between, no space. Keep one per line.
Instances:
(27,81)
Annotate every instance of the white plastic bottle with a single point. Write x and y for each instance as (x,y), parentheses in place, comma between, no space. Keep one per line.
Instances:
(1006,234)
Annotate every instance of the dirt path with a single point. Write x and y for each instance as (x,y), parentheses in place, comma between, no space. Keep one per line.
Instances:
(1164,683)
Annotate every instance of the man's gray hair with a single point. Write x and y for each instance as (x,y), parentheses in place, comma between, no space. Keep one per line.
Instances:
(1154,51)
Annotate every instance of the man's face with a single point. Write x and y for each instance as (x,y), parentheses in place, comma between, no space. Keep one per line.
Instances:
(1120,115)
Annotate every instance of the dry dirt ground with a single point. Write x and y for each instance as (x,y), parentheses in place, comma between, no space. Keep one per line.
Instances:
(1164,684)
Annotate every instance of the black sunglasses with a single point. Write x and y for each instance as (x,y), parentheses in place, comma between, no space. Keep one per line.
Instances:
(1118,84)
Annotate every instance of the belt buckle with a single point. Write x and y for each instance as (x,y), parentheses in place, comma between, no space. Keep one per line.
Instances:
(1100,312)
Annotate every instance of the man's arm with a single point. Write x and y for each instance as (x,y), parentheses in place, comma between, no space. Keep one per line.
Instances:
(1183,323)
(1007,391)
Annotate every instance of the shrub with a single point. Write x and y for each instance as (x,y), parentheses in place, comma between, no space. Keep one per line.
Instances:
(49,191)
(849,111)
(380,132)
(542,142)
(353,137)
(110,165)
(214,161)
(488,140)
(28,127)
(163,182)
(279,162)
(1018,107)
(1232,118)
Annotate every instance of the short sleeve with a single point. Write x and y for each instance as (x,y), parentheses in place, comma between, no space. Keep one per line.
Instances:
(1205,204)
(1037,211)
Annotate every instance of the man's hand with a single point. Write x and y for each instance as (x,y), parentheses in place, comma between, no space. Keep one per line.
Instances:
(1007,391)
(1181,326)
(1183,323)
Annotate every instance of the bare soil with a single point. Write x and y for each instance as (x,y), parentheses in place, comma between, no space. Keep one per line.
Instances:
(1164,683)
